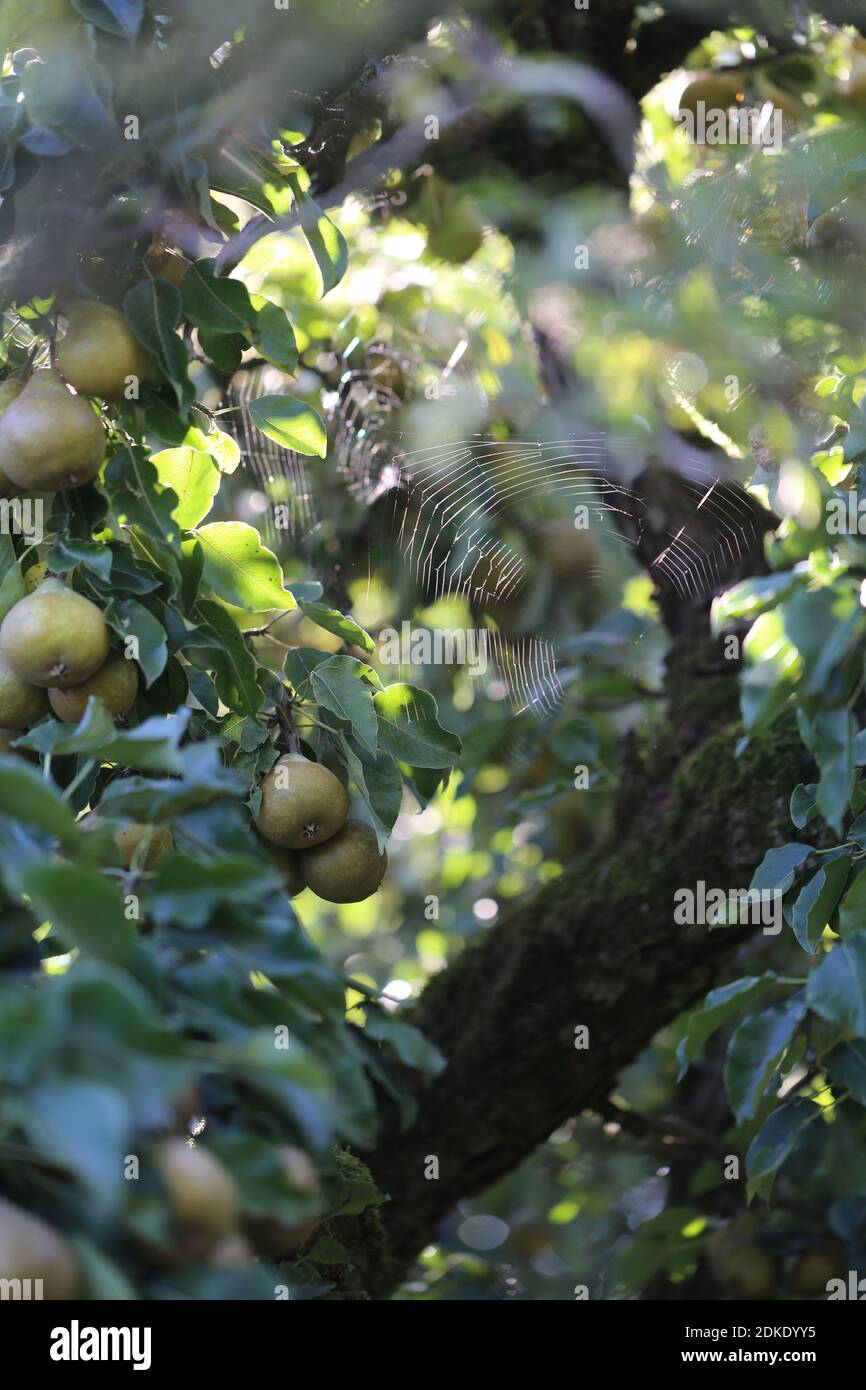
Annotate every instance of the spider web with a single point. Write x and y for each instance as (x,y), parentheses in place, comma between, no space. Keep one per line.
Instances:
(268,461)
(449,499)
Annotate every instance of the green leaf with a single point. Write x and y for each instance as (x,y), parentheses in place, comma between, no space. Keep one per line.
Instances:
(204,779)
(326,241)
(227,654)
(837,989)
(720,1007)
(240,569)
(755,1050)
(152,746)
(69,93)
(846,1067)
(35,800)
(104,1281)
(300,663)
(120,17)
(825,625)
(327,1251)
(220,304)
(830,737)
(152,309)
(137,496)
(746,601)
(291,423)
(775,1142)
(409,728)
(275,338)
(337,685)
(223,449)
(187,891)
(193,477)
(12,586)
(86,1126)
(379,782)
(852,914)
(91,556)
(770,673)
(225,350)
(777,869)
(130,619)
(85,907)
(341,626)
(804,806)
(94,731)
(816,901)
(410,1044)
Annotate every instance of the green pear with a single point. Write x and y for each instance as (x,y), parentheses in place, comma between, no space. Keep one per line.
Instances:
(288,863)
(302,803)
(54,637)
(145,845)
(115,684)
(20,704)
(50,439)
(99,351)
(10,390)
(202,1193)
(348,868)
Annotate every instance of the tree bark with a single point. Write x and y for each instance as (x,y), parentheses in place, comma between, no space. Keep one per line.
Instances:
(598,947)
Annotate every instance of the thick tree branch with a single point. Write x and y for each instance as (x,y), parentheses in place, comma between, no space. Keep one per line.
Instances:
(598,947)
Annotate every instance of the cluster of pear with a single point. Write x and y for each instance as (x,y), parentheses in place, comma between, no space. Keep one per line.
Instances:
(55,654)
(744,1269)
(304,817)
(51,439)
(205,1205)
(205,1208)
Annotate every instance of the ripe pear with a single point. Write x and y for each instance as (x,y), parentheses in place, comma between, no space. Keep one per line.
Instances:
(99,351)
(115,684)
(10,390)
(288,863)
(349,868)
(202,1192)
(156,840)
(303,803)
(50,439)
(54,636)
(20,704)
(31,1249)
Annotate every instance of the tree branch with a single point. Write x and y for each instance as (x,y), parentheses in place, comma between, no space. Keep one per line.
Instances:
(597,947)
